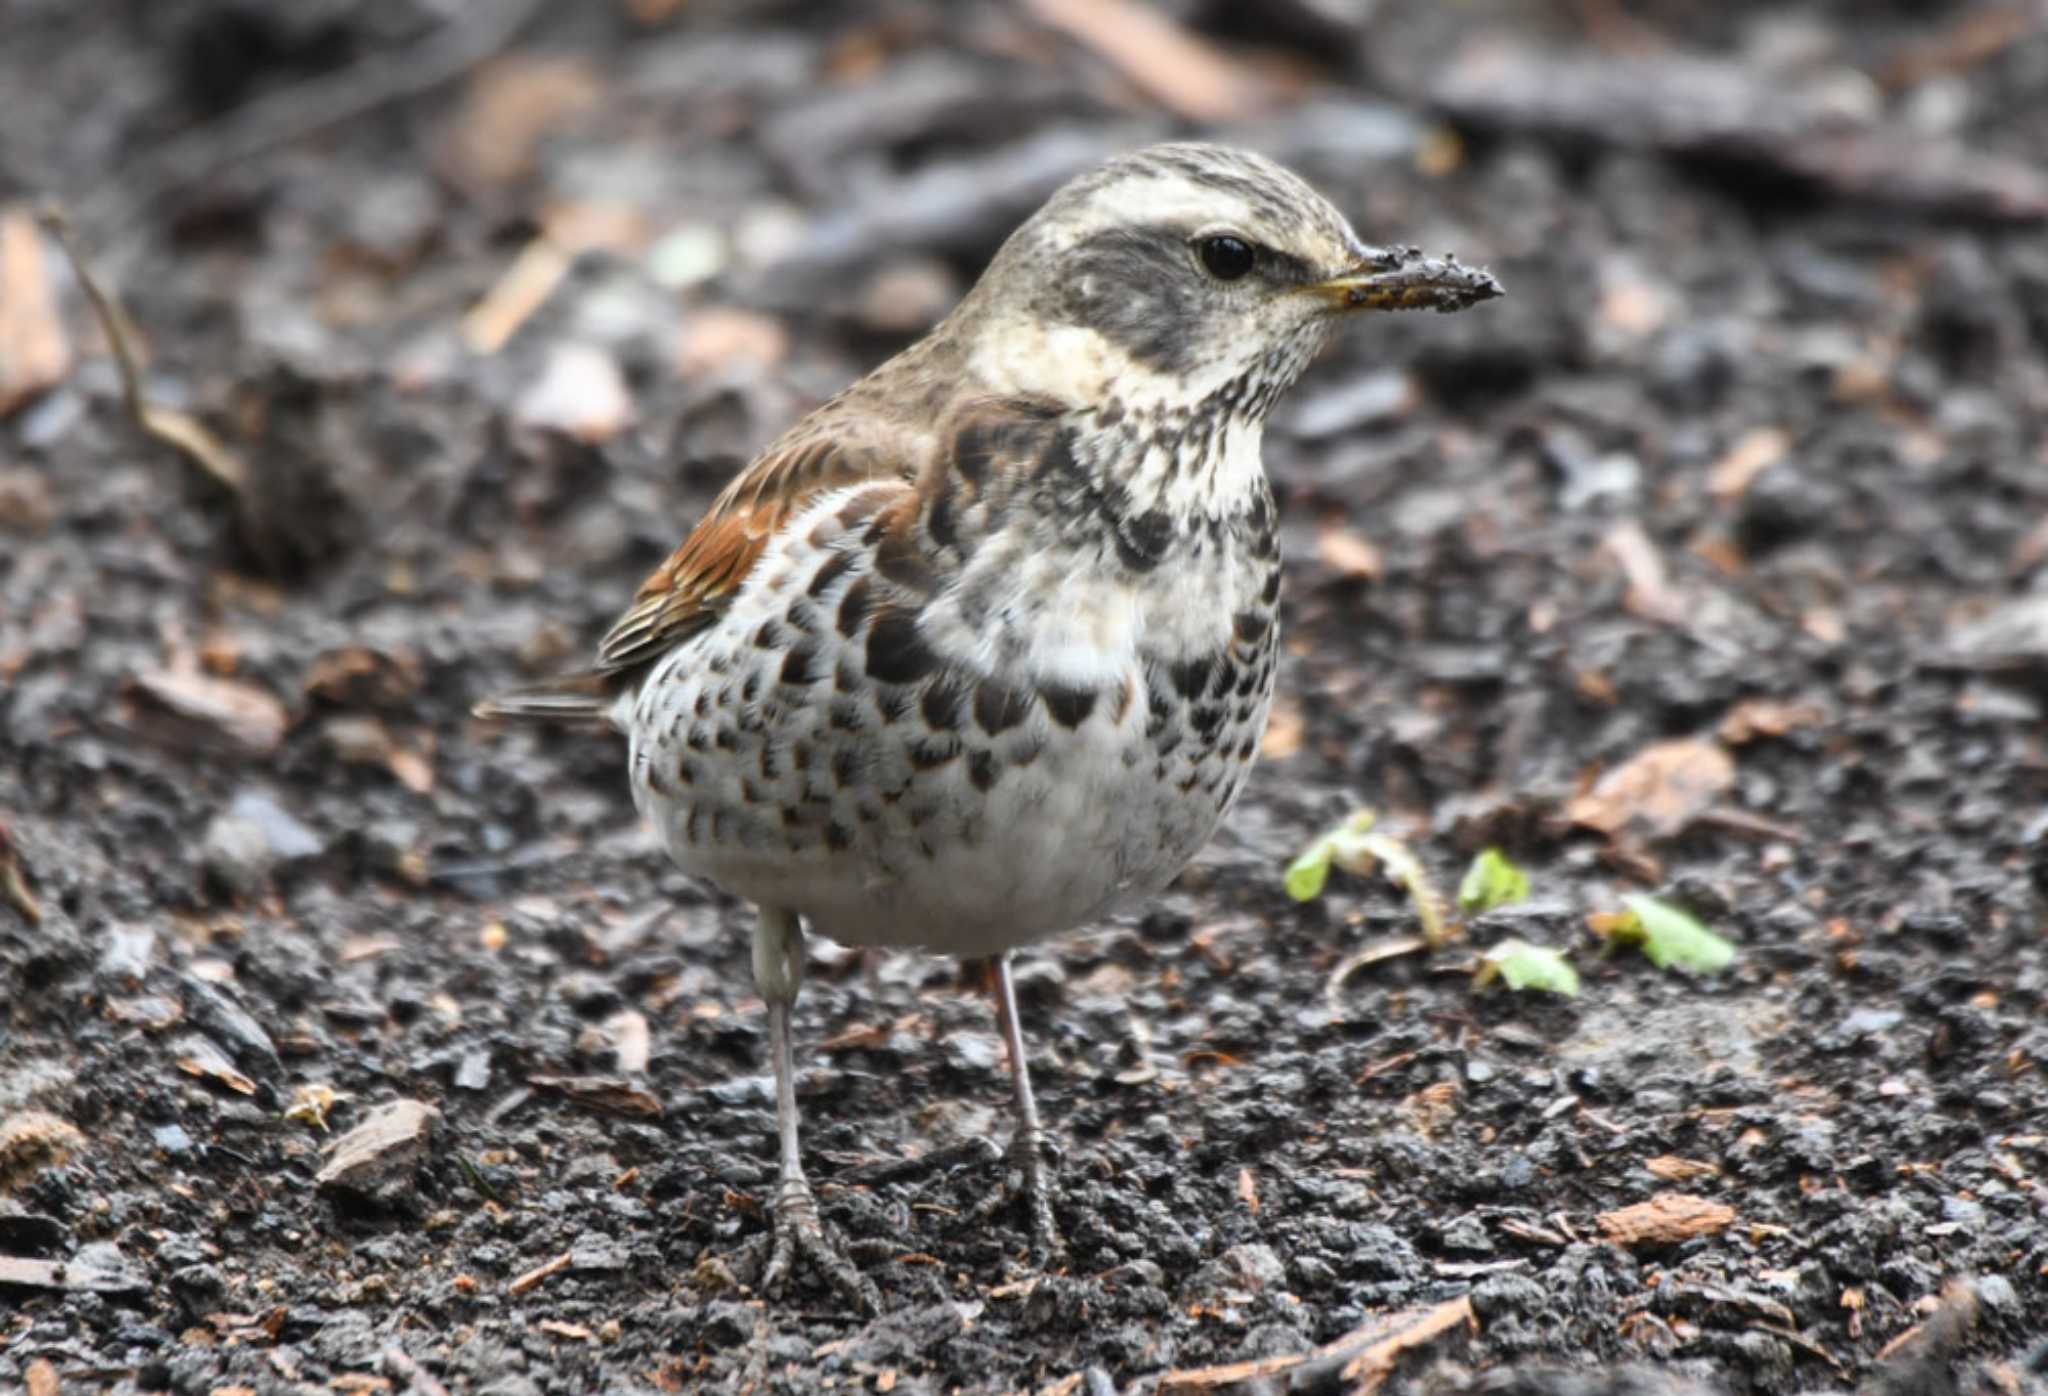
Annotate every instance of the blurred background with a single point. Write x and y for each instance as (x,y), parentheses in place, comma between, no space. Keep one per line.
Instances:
(1712,561)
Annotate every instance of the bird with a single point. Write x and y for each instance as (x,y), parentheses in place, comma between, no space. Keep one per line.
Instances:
(983,647)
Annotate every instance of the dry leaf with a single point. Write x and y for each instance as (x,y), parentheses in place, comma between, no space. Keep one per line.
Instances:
(34,352)
(1665,1220)
(1369,1354)
(1660,791)
(389,1141)
(612,1096)
(246,715)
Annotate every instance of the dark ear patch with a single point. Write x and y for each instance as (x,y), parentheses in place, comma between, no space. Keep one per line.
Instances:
(1140,289)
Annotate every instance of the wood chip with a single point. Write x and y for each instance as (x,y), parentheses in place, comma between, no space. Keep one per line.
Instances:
(1658,792)
(612,1096)
(1248,1190)
(1672,1169)
(533,1277)
(247,716)
(41,1378)
(34,352)
(1349,554)
(98,1270)
(525,286)
(381,1152)
(33,1141)
(1665,1220)
(1650,593)
(201,1057)
(1178,70)
(632,1043)
(1758,450)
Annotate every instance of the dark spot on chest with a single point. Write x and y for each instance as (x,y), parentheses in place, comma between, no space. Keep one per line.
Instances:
(897,653)
(1191,676)
(1142,540)
(832,570)
(800,666)
(854,606)
(1069,707)
(942,705)
(899,559)
(998,707)
(981,769)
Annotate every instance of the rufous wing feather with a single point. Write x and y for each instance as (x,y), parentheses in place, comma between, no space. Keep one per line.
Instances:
(697,581)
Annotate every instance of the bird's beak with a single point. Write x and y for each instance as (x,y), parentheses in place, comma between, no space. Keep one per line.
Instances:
(1401,278)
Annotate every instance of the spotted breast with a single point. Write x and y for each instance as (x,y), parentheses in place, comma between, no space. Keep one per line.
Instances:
(969,710)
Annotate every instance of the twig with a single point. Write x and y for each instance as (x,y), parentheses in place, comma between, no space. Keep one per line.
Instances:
(295,113)
(179,430)
(538,1273)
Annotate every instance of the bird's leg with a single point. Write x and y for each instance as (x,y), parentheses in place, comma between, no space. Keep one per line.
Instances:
(799,1230)
(1028,1141)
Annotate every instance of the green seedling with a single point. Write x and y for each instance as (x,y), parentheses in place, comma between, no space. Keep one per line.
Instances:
(1355,847)
(1667,935)
(1491,881)
(1520,965)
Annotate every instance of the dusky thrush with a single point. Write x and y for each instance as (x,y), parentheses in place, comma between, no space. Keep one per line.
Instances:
(983,647)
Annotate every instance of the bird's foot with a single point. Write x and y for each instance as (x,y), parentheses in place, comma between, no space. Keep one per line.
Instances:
(1033,1160)
(800,1233)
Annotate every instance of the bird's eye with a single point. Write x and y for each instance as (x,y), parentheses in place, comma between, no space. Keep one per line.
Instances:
(1226,258)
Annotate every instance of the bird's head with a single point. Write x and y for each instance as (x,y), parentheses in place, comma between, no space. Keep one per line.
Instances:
(1182,272)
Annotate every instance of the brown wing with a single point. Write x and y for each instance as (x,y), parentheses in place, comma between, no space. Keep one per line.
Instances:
(687,592)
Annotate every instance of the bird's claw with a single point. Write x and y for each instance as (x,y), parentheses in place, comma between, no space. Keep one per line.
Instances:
(801,1232)
(1032,1158)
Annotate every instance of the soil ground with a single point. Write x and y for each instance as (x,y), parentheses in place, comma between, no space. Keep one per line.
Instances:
(1711,563)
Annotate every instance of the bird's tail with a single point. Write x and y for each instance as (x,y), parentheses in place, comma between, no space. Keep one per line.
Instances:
(576,698)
